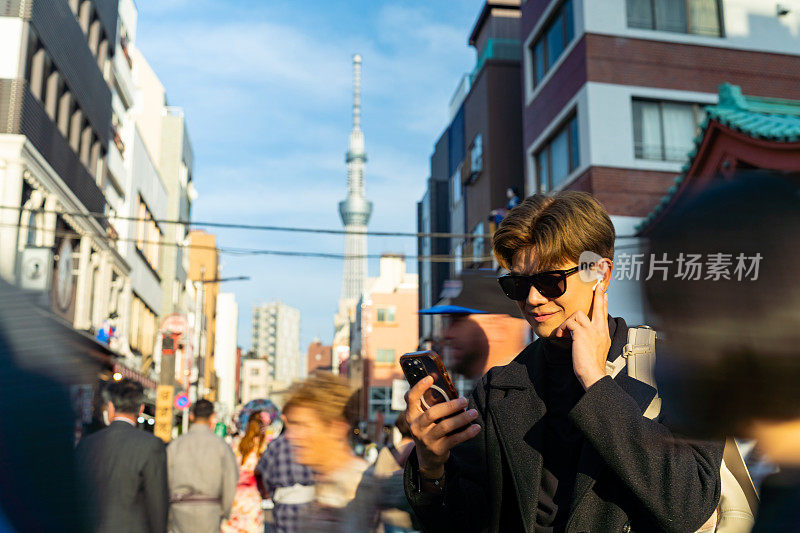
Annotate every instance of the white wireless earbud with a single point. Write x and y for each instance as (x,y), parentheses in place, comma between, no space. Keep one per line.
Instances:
(599,276)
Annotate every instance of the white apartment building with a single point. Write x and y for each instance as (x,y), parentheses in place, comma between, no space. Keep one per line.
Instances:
(276,338)
(255,380)
(151,158)
(225,352)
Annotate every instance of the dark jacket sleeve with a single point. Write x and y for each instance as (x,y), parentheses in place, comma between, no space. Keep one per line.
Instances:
(464,506)
(676,480)
(156,489)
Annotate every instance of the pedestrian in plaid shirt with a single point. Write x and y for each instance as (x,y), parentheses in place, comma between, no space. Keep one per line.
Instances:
(290,484)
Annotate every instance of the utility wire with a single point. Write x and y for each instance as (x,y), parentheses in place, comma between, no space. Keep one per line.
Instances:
(258,227)
(252,251)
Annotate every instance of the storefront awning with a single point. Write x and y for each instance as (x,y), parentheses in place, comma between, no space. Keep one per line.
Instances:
(126,372)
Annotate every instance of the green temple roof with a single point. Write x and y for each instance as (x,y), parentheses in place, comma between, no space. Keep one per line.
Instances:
(772,119)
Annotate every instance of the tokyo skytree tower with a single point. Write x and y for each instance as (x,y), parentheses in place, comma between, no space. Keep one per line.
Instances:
(356,209)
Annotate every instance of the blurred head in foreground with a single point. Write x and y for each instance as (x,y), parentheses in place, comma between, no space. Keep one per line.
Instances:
(319,415)
(731,363)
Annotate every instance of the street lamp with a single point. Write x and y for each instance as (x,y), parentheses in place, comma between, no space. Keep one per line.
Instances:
(220,280)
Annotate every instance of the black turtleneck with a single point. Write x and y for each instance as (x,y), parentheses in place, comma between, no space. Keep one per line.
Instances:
(562,440)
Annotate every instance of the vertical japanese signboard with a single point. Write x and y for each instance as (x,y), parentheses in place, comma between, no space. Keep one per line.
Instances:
(163,427)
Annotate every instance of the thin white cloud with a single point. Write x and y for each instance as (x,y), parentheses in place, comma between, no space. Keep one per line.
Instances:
(268,107)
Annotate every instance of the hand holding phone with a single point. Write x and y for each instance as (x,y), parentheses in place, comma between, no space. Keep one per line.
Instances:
(435,414)
(418,365)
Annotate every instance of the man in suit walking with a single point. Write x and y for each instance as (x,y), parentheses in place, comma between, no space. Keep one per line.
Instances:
(126,468)
(203,474)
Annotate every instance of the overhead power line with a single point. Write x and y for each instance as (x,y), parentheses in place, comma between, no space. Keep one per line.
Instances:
(260,227)
(251,251)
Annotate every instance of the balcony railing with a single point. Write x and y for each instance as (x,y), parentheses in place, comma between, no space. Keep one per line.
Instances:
(42,132)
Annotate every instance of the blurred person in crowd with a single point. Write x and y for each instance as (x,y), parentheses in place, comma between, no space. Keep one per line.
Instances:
(465,344)
(480,327)
(497,215)
(371,452)
(478,342)
(391,461)
(203,474)
(550,441)
(512,193)
(247,515)
(40,488)
(734,340)
(289,484)
(320,412)
(127,467)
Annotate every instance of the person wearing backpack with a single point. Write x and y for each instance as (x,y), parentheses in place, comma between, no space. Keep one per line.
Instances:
(551,442)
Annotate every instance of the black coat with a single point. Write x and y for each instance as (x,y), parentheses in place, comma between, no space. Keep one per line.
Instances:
(127,473)
(632,473)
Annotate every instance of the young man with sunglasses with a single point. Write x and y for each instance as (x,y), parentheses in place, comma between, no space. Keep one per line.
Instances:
(550,442)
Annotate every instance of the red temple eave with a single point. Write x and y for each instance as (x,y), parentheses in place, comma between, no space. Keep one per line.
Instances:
(720,153)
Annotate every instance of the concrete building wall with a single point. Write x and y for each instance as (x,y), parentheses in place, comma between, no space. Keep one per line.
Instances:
(204,266)
(748,25)
(145,183)
(225,359)
(151,101)
(11,32)
(255,381)
(276,337)
(176,170)
(387,328)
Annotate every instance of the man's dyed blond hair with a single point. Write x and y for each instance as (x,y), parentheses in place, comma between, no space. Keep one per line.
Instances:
(556,228)
(327,395)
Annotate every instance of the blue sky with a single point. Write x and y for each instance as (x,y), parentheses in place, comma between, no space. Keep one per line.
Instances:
(266,86)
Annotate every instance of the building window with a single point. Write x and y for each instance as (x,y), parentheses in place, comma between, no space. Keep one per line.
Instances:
(380,400)
(455,184)
(477,243)
(384,355)
(255,372)
(552,41)
(698,17)
(386,314)
(558,157)
(476,156)
(665,131)
(143,327)
(148,235)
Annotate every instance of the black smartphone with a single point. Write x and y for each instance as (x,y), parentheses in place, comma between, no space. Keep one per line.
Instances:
(419,365)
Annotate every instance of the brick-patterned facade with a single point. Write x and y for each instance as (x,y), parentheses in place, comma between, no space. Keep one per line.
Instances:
(646,63)
(689,67)
(319,357)
(624,191)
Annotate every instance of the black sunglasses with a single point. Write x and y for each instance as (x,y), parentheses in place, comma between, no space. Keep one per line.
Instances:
(550,284)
